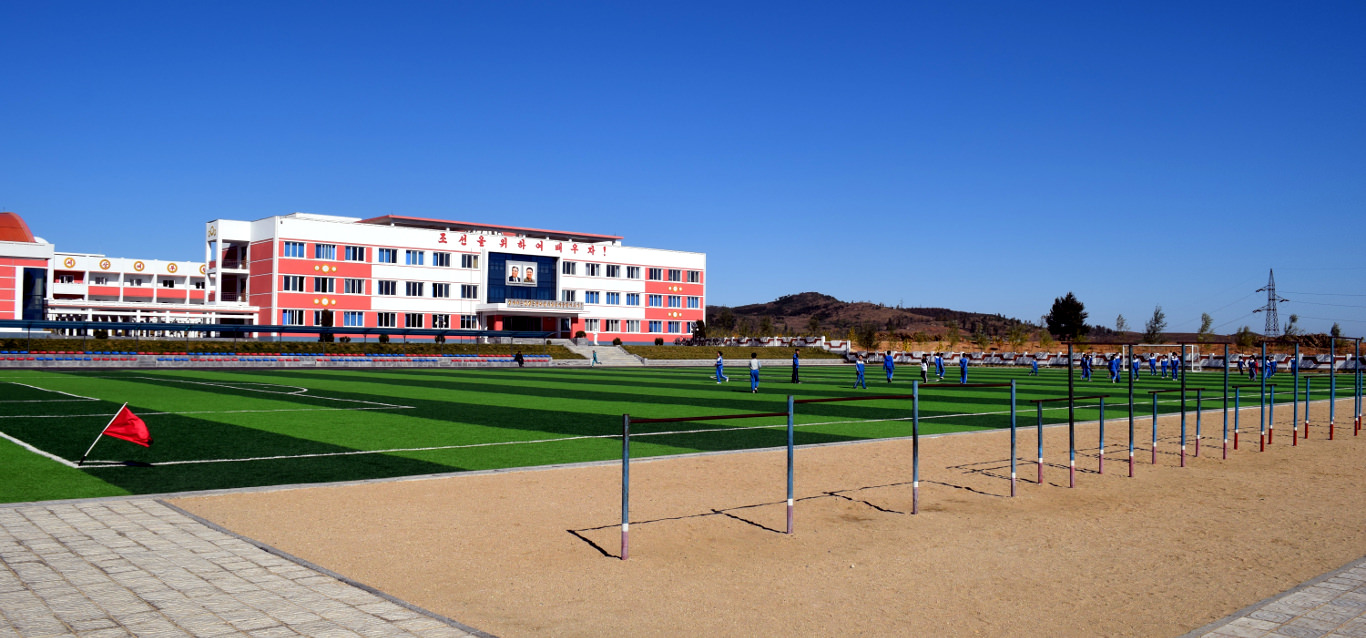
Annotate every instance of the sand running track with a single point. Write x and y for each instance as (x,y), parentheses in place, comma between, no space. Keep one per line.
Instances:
(1156,555)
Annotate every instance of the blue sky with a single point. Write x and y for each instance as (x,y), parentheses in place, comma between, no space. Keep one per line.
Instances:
(980,156)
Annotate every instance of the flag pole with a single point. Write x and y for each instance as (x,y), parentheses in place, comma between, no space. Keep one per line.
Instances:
(97,436)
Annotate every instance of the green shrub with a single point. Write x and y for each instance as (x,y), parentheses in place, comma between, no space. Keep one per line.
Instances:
(616,341)
(383,338)
(580,334)
(659,341)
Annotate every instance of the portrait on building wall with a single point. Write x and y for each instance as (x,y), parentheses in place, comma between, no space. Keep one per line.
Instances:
(521,273)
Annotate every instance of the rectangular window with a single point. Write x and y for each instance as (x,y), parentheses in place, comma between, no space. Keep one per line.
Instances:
(353,319)
(469,291)
(292,317)
(591,325)
(414,288)
(354,253)
(199,284)
(592,270)
(100,281)
(387,256)
(655,301)
(386,320)
(292,283)
(165,283)
(675,274)
(673,327)
(441,322)
(568,267)
(317,317)
(590,296)
(469,261)
(694,302)
(632,299)
(694,276)
(613,270)
(137,281)
(469,322)
(324,251)
(613,298)
(388,287)
(656,326)
(324,284)
(675,301)
(293,249)
(413,257)
(412,320)
(655,274)
(633,272)
(355,286)
(611,325)
(687,327)
(632,325)
(567,295)
(441,260)
(441,291)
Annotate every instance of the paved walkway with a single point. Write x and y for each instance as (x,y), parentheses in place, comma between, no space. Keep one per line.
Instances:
(1332,605)
(138,567)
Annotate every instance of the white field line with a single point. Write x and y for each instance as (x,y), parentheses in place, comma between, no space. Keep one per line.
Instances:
(74,397)
(37,451)
(106,416)
(298,393)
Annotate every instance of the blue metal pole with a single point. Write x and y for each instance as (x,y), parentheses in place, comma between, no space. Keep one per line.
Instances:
(1226,401)
(790,464)
(1295,398)
(1040,430)
(1332,385)
(915,447)
(1307,382)
(1154,429)
(1198,396)
(1237,408)
(1012,438)
(625,486)
(1262,398)
(1101,464)
(1131,419)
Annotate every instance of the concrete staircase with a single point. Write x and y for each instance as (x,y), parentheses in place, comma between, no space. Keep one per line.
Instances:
(608,355)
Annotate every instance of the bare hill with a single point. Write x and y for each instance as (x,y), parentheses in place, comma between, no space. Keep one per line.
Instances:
(816,313)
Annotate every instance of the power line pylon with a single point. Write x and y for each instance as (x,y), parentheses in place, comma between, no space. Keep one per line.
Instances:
(1273,322)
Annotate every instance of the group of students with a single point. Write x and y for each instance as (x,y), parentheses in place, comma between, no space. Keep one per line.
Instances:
(888,367)
(1267,368)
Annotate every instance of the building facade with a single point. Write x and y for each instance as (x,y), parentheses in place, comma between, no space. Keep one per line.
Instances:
(407,272)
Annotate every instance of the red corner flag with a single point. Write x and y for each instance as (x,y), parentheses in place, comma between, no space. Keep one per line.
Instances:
(125,425)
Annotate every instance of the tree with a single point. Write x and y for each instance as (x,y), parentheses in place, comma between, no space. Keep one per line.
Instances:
(867,336)
(953,335)
(725,320)
(1245,337)
(814,325)
(1206,323)
(980,337)
(1292,329)
(1046,340)
(699,329)
(1016,335)
(1336,331)
(766,327)
(1120,324)
(1067,318)
(1152,331)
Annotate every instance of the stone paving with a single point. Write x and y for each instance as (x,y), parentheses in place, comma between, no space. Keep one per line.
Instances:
(138,567)
(1331,606)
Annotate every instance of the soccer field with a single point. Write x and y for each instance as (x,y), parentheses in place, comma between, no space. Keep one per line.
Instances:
(222,429)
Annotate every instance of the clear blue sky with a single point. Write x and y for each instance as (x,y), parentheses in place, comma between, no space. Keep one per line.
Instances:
(981,156)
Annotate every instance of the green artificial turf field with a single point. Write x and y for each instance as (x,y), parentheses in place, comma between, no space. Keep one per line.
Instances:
(237,428)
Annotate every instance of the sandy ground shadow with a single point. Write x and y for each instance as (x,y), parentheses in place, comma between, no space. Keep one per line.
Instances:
(534,553)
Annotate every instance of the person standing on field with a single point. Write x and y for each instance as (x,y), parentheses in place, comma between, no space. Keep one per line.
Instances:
(753,372)
(721,367)
(924,371)
(963,366)
(1034,367)
(889,365)
(939,365)
(858,373)
(795,365)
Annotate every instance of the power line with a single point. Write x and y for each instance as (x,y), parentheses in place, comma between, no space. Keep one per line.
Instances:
(1325,294)
(1336,305)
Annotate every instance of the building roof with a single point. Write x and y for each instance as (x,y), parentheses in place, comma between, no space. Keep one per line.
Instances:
(13,228)
(442,224)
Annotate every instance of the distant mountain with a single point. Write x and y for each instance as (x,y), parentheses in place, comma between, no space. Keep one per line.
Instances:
(793,315)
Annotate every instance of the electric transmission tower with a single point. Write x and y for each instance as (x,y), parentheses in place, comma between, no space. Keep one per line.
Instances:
(1273,322)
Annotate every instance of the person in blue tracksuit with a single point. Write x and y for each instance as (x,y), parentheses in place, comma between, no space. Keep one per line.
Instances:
(721,367)
(889,365)
(1116,364)
(1176,367)
(1152,366)
(753,372)
(963,367)
(796,365)
(1134,367)
(1034,367)
(1240,365)
(1164,366)
(939,365)
(858,372)
(1294,365)
(1086,367)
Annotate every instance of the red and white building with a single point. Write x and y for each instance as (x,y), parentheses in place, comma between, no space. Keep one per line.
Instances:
(407,272)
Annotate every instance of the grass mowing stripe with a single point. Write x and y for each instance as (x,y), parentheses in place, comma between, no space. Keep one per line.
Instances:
(37,451)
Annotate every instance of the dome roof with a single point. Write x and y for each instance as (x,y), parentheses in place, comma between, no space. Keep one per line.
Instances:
(13,228)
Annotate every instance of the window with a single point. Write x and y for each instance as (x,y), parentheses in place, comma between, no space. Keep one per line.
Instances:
(694,276)
(388,287)
(632,325)
(655,301)
(441,322)
(292,317)
(611,325)
(441,291)
(414,288)
(675,301)
(412,320)
(591,325)
(199,284)
(469,291)
(469,261)
(355,253)
(355,286)
(413,257)
(387,256)
(590,296)
(592,270)
(632,299)
(613,270)
(469,322)
(675,274)
(442,260)
(317,317)
(613,298)
(353,319)
(655,274)
(165,283)
(567,295)
(694,302)
(687,327)
(66,279)
(673,327)
(324,251)
(633,272)
(104,281)
(568,267)
(294,249)
(292,283)
(137,281)
(656,326)
(324,284)
(386,320)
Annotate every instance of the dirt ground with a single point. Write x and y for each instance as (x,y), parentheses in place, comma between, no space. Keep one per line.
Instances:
(533,553)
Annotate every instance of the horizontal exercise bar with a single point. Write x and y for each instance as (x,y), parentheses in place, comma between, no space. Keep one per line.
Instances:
(950,386)
(832,400)
(717,417)
(1095,396)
